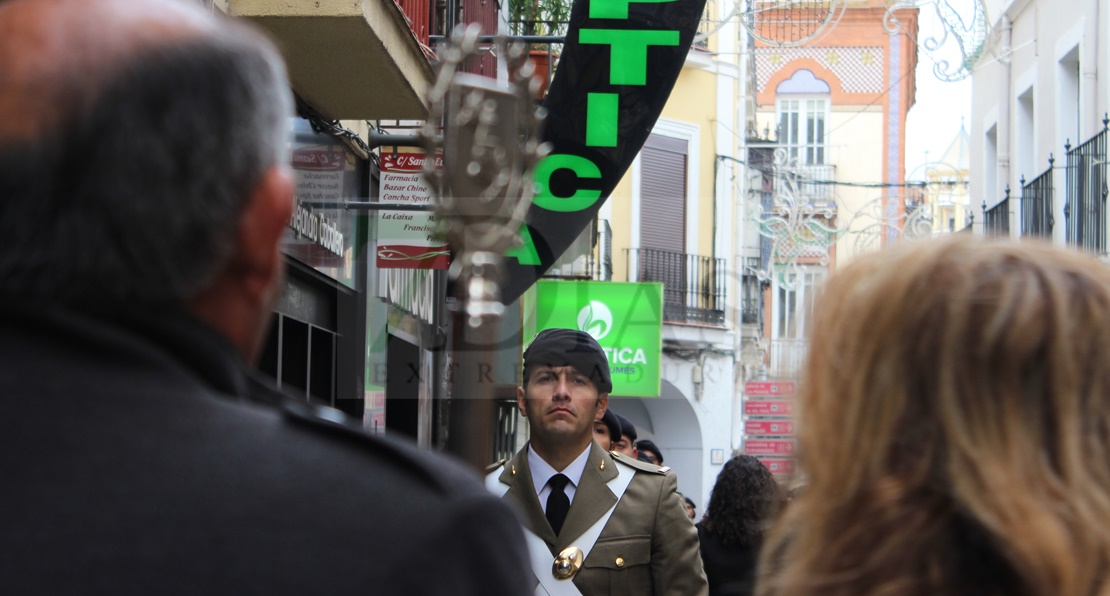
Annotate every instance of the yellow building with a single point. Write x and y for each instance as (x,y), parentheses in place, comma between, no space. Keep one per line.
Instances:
(673,218)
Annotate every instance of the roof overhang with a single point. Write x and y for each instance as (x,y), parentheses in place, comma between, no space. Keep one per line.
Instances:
(349,59)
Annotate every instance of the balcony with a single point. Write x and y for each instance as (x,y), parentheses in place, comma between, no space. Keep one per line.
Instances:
(1085,203)
(693,286)
(1036,205)
(590,256)
(751,304)
(996,220)
(810,184)
(786,358)
(349,59)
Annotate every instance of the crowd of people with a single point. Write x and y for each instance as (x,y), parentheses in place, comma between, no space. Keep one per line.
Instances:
(954,412)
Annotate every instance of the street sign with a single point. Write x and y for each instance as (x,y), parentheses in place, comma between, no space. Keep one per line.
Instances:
(769,388)
(774,407)
(408,239)
(769,427)
(770,447)
(779,466)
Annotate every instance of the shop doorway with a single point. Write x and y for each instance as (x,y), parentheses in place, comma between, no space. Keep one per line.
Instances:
(309,351)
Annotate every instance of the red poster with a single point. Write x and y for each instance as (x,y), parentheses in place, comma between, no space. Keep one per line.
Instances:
(779,466)
(768,407)
(770,388)
(770,447)
(769,427)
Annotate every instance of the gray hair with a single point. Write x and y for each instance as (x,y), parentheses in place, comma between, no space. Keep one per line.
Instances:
(136,194)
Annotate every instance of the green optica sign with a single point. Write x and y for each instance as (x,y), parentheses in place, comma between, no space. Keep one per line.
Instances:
(625,318)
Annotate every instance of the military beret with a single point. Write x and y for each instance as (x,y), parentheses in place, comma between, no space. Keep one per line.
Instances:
(649,445)
(627,428)
(614,425)
(570,347)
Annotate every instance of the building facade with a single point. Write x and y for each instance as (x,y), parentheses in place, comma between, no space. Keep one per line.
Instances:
(1040,95)
(827,150)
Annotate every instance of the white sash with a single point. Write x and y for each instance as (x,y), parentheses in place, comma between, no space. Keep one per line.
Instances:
(538,552)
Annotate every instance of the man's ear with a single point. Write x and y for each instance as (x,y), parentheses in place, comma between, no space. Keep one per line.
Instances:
(520,401)
(258,259)
(602,405)
(237,304)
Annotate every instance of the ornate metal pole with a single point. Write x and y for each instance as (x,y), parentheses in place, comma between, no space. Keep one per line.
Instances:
(490,143)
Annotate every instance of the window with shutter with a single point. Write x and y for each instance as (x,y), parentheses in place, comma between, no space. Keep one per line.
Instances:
(663,220)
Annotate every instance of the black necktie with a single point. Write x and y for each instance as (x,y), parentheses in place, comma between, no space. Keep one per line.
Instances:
(557,502)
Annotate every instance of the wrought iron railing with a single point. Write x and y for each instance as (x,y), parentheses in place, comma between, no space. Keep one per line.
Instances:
(1085,205)
(751,303)
(693,286)
(504,430)
(1036,204)
(812,184)
(786,357)
(996,220)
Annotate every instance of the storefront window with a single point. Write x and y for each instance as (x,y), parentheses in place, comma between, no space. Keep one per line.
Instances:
(321,233)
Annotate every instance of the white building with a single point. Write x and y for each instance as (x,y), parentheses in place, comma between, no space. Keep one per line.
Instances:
(1040,90)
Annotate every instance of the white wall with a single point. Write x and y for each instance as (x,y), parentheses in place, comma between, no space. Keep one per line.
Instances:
(688,421)
(1033,94)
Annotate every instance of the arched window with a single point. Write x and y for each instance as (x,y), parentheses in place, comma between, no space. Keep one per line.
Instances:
(802,103)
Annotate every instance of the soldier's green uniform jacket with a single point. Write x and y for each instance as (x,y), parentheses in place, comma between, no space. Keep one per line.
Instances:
(648,547)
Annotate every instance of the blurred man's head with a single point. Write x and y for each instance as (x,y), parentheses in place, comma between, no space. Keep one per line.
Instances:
(147,164)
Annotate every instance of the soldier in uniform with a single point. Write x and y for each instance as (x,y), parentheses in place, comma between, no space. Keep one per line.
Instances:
(144,190)
(626,443)
(607,430)
(597,522)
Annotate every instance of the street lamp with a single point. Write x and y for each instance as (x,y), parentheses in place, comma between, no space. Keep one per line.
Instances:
(490,144)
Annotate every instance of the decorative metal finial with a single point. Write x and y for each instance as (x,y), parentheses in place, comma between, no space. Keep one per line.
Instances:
(490,144)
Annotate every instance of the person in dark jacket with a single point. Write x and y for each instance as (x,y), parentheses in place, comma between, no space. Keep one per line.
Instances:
(144,190)
(744,501)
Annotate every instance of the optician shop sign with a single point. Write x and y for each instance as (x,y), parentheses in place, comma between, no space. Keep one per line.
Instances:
(625,318)
(618,66)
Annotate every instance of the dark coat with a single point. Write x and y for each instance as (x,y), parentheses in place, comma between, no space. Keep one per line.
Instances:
(729,569)
(134,462)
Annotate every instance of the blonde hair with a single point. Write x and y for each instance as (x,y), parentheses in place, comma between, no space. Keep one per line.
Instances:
(954,428)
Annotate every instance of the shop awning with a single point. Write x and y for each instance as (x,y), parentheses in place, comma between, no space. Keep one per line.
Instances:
(349,59)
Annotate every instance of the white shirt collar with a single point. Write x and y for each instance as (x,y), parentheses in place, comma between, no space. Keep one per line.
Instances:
(542,472)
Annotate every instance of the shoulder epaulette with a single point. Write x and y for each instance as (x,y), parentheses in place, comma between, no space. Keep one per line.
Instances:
(495,465)
(338,425)
(642,466)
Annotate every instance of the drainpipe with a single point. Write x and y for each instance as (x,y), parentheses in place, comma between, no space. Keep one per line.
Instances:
(1004,124)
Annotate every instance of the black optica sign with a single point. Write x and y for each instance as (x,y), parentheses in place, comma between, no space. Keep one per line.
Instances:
(618,67)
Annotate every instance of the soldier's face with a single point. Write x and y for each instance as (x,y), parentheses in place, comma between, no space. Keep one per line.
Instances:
(561,404)
(626,446)
(601,435)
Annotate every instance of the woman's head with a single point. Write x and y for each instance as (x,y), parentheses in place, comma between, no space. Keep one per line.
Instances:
(958,393)
(744,500)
